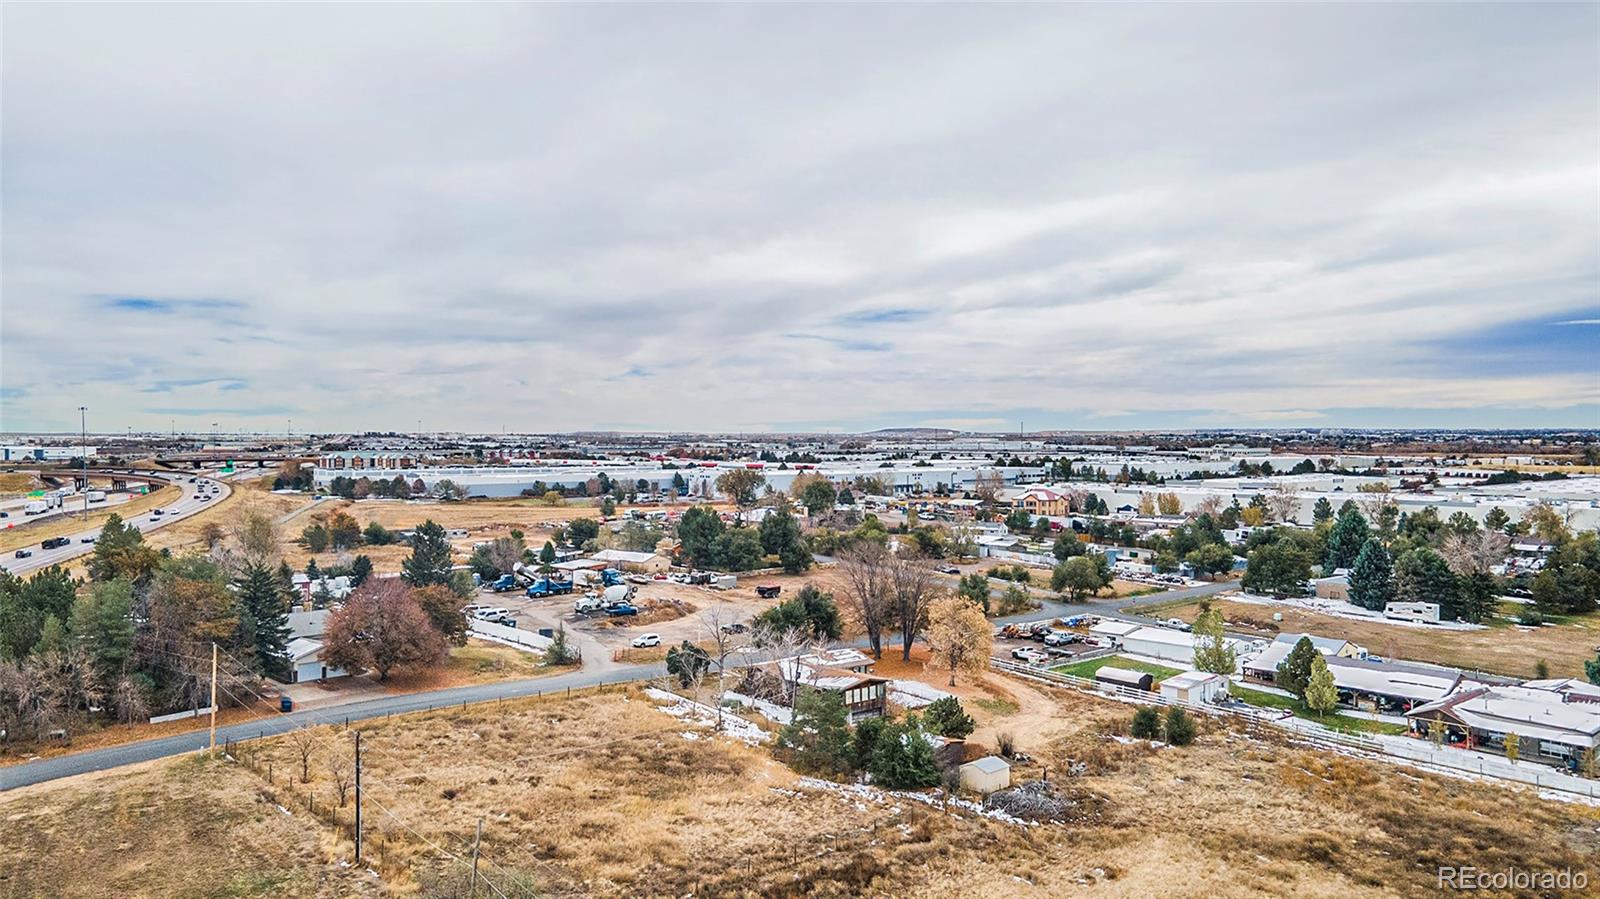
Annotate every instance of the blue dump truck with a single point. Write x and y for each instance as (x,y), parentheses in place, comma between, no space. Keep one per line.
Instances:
(505,583)
(611,577)
(547,587)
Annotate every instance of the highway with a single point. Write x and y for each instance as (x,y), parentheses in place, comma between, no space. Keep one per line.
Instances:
(188,503)
(26,773)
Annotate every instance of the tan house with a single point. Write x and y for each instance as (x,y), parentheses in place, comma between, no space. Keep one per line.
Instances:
(1041,501)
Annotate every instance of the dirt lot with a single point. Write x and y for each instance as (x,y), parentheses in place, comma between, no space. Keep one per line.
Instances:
(605,795)
(1512,651)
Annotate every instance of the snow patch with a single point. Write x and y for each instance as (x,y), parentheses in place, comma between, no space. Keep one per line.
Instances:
(910,694)
(705,716)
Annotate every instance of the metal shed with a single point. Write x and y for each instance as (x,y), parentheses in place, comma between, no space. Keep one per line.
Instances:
(1124,677)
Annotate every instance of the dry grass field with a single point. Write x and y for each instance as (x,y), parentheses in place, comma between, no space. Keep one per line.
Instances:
(1512,651)
(16,483)
(603,794)
(181,829)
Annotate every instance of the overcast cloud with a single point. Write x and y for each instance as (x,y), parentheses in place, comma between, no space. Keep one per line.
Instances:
(785,217)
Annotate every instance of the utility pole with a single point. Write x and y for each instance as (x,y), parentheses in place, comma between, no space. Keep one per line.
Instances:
(478,840)
(213,697)
(83,454)
(358,797)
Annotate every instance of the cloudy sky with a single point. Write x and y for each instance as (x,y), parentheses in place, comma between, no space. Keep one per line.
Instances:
(547,217)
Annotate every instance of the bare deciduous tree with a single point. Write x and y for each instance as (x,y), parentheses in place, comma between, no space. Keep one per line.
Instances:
(304,743)
(724,643)
(256,536)
(1474,553)
(1211,505)
(1374,499)
(865,567)
(913,586)
(986,488)
(1283,502)
(130,701)
(340,770)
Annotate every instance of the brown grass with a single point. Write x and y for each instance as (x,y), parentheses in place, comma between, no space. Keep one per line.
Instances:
(188,828)
(16,483)
(600,794)
(1498,650)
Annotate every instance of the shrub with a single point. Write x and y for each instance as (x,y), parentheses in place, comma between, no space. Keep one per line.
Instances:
(1005,744)
(865,740)
(1180,727)
(903,759)
(947,718)
(1146,724)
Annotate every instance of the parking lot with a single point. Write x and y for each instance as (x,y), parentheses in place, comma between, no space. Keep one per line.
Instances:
(673,610)
(1047,641)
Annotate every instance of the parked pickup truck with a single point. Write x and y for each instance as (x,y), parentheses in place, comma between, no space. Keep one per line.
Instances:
(619,611)
(768,591)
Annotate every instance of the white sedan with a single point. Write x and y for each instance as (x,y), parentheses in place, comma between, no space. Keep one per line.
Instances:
(645,641)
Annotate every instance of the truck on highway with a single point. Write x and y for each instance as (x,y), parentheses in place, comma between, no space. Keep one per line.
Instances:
(36,507)
(53,542)
(96,496)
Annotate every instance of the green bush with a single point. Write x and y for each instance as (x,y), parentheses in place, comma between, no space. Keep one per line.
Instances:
(947,718)
(1146,724)
(1180,727)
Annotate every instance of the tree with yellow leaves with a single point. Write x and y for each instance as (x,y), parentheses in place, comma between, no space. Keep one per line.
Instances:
(959,637)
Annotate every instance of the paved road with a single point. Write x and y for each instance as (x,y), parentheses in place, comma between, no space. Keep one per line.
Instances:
(26,773)
(1110,608)
(188,503)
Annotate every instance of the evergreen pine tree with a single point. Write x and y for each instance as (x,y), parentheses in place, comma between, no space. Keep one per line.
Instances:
(429,563)
(1349,534)
(1322,511)
(262,601)
(1372,576)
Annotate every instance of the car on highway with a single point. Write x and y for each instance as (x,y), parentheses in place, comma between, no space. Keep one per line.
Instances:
(54,542)
(645,641)
(89,539)
(24,553)
(158,512)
